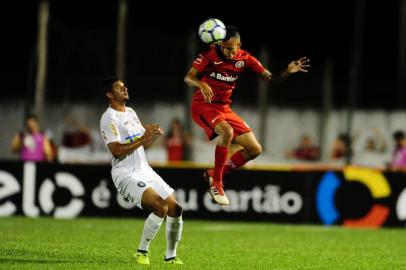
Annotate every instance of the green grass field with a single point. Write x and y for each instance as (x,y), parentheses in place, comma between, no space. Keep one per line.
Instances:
(89,243)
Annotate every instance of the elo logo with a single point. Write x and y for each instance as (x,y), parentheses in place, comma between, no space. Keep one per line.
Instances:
(373,180)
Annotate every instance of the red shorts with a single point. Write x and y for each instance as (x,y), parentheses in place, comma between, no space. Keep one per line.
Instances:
(207,116)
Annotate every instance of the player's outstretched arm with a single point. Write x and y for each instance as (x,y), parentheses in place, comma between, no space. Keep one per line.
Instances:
(300,65)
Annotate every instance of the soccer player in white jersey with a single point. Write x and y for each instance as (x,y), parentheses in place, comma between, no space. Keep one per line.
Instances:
(133,177)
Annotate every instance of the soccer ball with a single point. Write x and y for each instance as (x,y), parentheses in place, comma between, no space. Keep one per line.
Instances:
(212,30)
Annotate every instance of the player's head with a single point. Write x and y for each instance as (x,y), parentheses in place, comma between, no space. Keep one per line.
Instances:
(115,90)
(231,43)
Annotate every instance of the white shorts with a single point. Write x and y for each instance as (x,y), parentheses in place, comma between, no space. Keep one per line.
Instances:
(132,185)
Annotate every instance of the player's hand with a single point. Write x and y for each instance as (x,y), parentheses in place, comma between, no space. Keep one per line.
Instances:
(148,134)
(300,65)
(152,131)
(156,129)
(206,92)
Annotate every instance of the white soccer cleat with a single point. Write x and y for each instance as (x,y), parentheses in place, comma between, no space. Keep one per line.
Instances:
(217,193)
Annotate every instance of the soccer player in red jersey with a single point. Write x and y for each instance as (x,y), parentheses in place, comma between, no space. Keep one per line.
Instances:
(213,74)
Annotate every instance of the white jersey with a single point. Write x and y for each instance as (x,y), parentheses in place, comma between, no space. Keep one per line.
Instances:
(132,174)
(125,127)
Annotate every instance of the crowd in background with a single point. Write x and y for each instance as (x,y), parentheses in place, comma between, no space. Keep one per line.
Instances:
(371,151)
(81,144)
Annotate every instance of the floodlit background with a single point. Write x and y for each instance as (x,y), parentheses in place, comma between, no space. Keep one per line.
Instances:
(59,51)
(293,207)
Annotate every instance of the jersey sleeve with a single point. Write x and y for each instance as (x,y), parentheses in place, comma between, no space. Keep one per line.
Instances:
(109,130)
(254,65)
(201,62)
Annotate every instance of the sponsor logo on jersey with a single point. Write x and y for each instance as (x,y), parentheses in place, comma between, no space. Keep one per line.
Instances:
(239,64)
(223,78)
(114,129)
(132,138)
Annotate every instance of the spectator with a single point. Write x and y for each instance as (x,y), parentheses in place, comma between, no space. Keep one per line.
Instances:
(54,147)
(373,151)
(306,150)
(176,141)
(76,135)
(399,156)
(31,143)
(76,142)
(341,147)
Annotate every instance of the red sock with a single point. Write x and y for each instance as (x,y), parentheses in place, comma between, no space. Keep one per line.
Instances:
(236,161)
(219,163)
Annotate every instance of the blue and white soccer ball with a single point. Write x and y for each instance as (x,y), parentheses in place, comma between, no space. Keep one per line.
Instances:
(212,30)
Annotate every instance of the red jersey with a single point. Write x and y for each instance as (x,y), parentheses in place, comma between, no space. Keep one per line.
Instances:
(220,74)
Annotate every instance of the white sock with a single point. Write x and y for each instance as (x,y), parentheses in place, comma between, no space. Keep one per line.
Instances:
(174,227)
(151,227)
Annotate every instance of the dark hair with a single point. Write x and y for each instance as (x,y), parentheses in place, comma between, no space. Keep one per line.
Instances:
(176,121)
(345,138)
(108,83)
(398,135)
(31,116)
(231,31)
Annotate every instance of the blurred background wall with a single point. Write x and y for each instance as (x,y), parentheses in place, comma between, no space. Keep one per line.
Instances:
(65,48)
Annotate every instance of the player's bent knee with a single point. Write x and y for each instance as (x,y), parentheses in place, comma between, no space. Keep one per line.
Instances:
(175,211)
(255,151)
(227,133)
(224,130)
(160,208)
(152,202)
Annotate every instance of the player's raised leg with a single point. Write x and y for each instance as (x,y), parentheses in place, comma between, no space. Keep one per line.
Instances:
(158,207)
(244,148)
(174,226)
